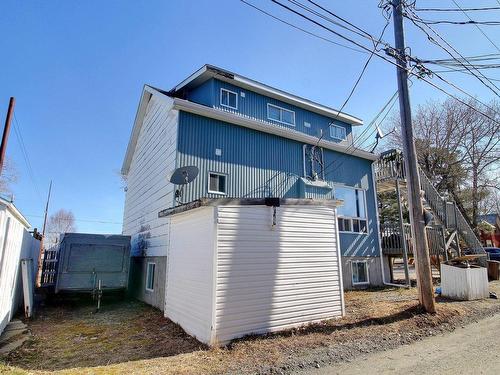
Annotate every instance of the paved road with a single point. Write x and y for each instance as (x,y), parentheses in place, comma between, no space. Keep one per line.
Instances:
(474,349)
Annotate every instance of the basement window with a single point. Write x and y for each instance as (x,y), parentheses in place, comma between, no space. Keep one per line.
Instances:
(338,132)
(150,276)
(228,99)
(359,270)
(281,115)
(217,183)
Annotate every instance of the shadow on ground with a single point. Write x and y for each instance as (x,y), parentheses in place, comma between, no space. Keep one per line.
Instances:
(69,333)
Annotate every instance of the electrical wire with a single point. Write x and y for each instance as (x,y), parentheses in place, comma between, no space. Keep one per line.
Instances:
(81,220)
(24,152)
(477,26)
(430,38)
(303,30)
(363,70)
(455,10)
(396,64)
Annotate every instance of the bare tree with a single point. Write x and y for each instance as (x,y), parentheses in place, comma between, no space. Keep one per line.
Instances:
(459,150)
(60,222)
(8,177)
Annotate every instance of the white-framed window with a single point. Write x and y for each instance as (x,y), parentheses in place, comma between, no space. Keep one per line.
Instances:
(281,115)
(352,217)
(150,276)
(228,99)
(217,183)
(338,132)
(359,270)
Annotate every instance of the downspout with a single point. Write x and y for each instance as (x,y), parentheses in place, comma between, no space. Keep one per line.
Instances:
(381,256)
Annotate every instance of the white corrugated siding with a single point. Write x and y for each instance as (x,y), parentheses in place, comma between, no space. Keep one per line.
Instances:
(148,190)
(274,278)
(15,244)
(190,274)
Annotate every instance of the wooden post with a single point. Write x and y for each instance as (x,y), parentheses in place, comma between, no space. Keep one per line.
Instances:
(6,131)
(421,250)
(402,231)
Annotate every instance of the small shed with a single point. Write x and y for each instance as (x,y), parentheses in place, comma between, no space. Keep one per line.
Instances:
(84,259)
(251,266)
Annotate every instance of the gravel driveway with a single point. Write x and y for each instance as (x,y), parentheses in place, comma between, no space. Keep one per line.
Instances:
(470,350)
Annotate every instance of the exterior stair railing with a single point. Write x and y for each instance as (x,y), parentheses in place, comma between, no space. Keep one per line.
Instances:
(390,166)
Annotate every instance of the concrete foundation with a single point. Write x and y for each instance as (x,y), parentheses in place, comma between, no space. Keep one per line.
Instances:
(374,272)
(137,286)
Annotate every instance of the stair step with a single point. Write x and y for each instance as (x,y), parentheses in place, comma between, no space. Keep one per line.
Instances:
(15,324)
(7,335)
(4,350)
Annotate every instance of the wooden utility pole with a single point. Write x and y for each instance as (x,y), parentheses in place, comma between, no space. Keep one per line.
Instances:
(421,250)
(40,253)
(6,131)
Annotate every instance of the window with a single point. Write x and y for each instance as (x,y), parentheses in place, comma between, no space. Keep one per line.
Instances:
(307,124)
(216,183)
(150,276)
(359,270)
(228,99)
(313,162)
(352,214)
(338,132)
(281,115)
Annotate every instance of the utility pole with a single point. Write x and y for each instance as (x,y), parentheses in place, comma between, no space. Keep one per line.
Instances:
(40,253)
(6,131)
(421,250)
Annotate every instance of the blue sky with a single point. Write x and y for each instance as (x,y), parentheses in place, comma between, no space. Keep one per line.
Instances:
(77,69)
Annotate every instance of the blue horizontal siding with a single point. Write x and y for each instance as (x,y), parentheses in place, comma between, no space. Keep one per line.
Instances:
(254,105)
(261,165)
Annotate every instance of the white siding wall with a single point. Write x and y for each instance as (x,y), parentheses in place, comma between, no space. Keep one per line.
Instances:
(274,278)
(148,189)
(15,244)
(190,274)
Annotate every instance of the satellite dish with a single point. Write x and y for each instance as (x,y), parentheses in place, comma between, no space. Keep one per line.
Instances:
(184,175)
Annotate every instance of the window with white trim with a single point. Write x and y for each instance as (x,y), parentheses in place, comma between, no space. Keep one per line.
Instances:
(359,270)
(217,183)
(279,114)
(150,276)
(228,99)
(338,132)
(352,214)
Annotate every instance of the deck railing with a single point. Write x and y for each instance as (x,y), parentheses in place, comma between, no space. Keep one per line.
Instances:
(392,242)
(391,166)
(49,267)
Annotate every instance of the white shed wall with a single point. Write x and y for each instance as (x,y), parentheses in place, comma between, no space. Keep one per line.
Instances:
(148,190)
(190,272)
(15,244)
(274,278)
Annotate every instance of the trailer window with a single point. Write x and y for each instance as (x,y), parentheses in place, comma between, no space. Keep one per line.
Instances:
(150,277)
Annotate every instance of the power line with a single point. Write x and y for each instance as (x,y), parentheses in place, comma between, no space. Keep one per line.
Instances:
(455,10)
(24,152)
(356,83)
(413,20)
(303,30)
(82,220)
(477,26)
(447,22)
(392,62)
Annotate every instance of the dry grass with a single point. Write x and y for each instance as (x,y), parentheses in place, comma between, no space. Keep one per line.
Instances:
(132,338)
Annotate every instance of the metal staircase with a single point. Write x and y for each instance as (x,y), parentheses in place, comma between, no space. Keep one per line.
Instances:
(390,167)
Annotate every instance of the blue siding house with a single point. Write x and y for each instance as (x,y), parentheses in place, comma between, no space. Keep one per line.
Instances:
(249,140)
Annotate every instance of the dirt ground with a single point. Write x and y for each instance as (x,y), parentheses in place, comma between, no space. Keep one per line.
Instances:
(130,337)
